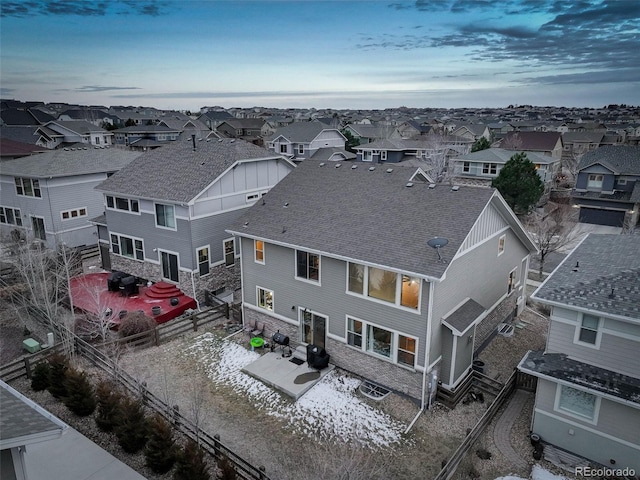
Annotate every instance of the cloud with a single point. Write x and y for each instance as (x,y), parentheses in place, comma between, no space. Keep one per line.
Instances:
(5,92)
(630,75)
(99,88)
(83,8)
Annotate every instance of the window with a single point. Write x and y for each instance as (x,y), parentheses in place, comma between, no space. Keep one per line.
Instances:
(127,246)
(265,298)
(258,246)
(577,403)
(383,285)
(165,216)
(501,241)
(229,252)
(37,224)
(466,167)
(28,187)
(367,156)
(588,332)
(252,197)
(354,332)
(125,204)
(406,350)
(379,341)
(203,261)
(283,148)
(595,181)
(78,212)
(490,168)
(383,155)
(10,216)
(169,263)
(512,281)
(300,149)
(307,265)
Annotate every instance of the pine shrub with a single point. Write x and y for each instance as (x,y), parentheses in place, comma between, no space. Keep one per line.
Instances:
(80,397)
(226,468)
(190,464)
(160,452)
(108,398)
(131,428)
(58,365)
(135,322)
(40,377)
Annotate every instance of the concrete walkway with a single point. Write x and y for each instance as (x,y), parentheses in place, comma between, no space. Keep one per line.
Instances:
(503,427)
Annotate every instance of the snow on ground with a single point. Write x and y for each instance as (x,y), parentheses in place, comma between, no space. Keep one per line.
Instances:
(537,473)
(329,409)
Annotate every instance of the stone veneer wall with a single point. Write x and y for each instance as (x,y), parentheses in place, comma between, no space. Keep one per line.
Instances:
(219,276)
(490,323)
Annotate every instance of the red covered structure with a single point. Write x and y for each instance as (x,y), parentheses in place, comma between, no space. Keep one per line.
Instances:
(161,301)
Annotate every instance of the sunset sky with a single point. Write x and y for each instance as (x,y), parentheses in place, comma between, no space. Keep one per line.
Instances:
(337,54)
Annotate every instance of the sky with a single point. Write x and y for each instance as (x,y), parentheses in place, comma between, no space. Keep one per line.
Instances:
(186,54)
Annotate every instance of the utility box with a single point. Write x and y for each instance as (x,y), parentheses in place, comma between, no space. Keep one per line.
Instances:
(31,345)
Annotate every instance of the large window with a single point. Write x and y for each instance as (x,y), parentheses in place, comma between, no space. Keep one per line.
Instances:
(229,252)
(10,216)
(402,290)
(258,246)
(37,223)
(169,262)
(595,181)
(588,330)
(127,246)
(577,403)
(203,261)
(265,298)
(381,342)
(466,167)
(165,216)
(307,265)
(28,187)
(126,204)
(490,168)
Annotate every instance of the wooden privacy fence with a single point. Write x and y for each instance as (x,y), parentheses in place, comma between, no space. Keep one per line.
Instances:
(452,464)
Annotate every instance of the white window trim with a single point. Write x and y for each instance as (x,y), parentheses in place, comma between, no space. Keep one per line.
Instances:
(598,183)
(115,209)
(300,149)
(160,251)
(394,342)
(155,216)
(16,214)
(252,197)
(576,335)
(224,253)
(273,299)
(44,226)
(304,279)
(596,407)
(255,251)
(502,242)
(198,260)
(515,280)
(74,210)
(119,235)
(383,155)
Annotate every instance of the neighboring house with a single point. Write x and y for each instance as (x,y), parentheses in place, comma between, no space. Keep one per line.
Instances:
(23,423)
(412,129)
(301,140)
(55,134)
(608,186)
(588,389)
(369,133)
(486,164)
(248,129)
(576,143)
(95,116)
(50,196)
(185,125)
(339,255)
(24,117)
(545,143)
(214,118)
(394,150)
(10,149)
(145,136)
(166,213)
(473,132)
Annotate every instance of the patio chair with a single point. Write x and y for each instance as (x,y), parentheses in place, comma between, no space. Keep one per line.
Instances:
(249,327)
(259,330)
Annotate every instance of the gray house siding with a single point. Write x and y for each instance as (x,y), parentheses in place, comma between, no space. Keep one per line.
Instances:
(616,352)
(210,231)
(615,436)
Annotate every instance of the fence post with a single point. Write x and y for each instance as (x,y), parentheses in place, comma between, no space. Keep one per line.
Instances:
(216,445)
(176,415)
(262,472)
(194,319)
(226,310)
(27,366)
(156,337)
(143,392)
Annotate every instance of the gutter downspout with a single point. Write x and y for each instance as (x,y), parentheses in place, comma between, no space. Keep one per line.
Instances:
(193,287)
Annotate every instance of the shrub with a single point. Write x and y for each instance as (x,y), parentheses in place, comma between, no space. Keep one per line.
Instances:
(226,469)
(108,399)
(40,377)
(58,365)
(160,452)
(131,428)
(80,397)
(135,322)
(190,463)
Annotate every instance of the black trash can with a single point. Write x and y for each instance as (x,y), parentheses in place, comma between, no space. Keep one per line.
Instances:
(478,366)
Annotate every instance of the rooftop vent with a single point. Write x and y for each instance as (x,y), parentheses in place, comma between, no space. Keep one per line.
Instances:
(371,169)
(338,165)
(219,140)
(322,164)
(286,204)
(455,188)
(575,269)
(389,170)
(353,167)
(233,140)
(432,185)
(409,184)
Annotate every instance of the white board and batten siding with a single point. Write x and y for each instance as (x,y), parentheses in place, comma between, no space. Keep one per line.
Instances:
(488,224)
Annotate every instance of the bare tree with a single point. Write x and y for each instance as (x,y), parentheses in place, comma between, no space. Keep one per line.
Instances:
(554,230)
(512,141)
(569,166)
(100,322)
(197,398)
(437,148)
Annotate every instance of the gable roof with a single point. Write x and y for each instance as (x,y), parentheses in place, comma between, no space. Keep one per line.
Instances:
(81,127)
(619,159)
(604,263)
(12,148)
(155,128)
(303,132)
(366,215)
(178,173)
(500,155)
(20,133)
(545,141)
(68,162)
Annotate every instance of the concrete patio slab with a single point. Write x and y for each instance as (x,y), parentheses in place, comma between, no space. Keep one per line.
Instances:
(282,374)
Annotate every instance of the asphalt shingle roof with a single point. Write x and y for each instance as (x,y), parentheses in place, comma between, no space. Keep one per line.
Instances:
(623,160)
(65,162)
(178,173)
(544,141)
(559,366)
(604,263)
(366,215)
(500,155)
(301,131)
(464,316)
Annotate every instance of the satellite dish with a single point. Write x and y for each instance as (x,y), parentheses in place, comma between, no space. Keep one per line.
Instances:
(438,243)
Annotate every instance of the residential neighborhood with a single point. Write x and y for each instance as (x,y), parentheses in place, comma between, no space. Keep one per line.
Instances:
(338,247)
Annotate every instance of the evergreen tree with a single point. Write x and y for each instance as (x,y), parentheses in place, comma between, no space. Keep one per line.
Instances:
(58,365)
(131,428)
(481,144)
(108,399)
(190,464)
(80,397)
(160,452)
(519,183)
(226,469)
(40,377)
